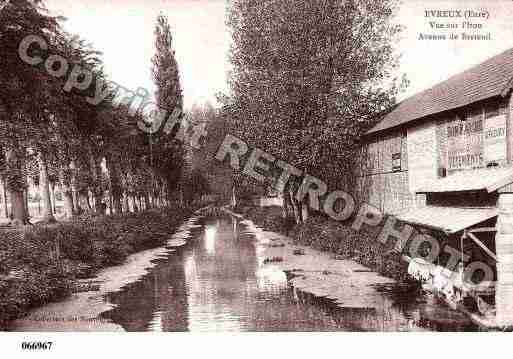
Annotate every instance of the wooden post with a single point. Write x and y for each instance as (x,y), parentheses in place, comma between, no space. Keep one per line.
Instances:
(504,253)
(482,245)
(420,200)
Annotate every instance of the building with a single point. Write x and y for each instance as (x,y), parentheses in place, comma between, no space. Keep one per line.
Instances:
(443,161)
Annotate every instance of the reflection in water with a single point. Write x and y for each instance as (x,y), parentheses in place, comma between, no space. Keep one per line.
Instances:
(210,238)
(156,322)
(218,282)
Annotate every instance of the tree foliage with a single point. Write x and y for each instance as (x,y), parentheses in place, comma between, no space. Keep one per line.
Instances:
(94,153)
(309,78)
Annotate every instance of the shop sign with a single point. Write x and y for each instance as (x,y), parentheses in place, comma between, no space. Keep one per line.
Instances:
(465,144)
(495,148)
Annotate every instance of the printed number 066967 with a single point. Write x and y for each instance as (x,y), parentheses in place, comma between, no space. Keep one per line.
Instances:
(36,345)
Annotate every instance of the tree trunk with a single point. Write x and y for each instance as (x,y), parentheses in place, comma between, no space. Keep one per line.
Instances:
(156,201)
(131,200)
(18,210)
(74,196)
(68,203)
(44,185)
(161,196)
(147,204)
(83,202)
(16,162)
(180,195)
(4,199)
(74,190)
(115,186)
(117,205)
(111,205)
(95,165)
(136,205)
(26,203)
(166,195)
(67,194)
(295,207)
(52,194)
(287,206)
(125,204)
(234,197)
(304,212)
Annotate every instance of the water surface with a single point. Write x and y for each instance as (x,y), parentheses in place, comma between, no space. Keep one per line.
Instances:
(218,282)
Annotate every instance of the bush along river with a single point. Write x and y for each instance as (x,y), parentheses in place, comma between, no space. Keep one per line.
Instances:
(224,274)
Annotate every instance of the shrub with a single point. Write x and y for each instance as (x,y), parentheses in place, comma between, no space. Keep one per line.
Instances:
(40,264)
(270,218)
(340,238)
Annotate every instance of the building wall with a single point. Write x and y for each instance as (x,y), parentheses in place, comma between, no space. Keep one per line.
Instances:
(509,116)
(484,140)
(422,153)
(383,178)
(453,141)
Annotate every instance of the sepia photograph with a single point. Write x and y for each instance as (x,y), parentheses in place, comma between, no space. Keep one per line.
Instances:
(261,166)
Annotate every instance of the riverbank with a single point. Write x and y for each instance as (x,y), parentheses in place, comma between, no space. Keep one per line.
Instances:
(81,312)
(43,264)
(335,238)
(365,299)
(233,275)
(354,291)
(319,273)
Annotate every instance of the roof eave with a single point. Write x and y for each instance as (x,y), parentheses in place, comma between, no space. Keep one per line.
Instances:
(503,93)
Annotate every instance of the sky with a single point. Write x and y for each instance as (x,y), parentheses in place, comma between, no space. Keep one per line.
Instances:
(427,62)
(123,31)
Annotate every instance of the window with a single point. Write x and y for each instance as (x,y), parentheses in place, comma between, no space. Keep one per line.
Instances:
(396,162)
(491,110)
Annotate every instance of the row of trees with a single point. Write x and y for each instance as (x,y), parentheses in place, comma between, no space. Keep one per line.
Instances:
(93,153)
(308,79)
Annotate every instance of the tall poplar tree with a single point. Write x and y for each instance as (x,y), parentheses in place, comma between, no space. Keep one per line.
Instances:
(168,157)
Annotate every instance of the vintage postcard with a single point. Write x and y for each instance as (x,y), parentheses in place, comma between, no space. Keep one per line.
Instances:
(254,166)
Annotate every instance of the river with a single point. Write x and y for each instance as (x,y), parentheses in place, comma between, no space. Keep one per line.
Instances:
(219,282)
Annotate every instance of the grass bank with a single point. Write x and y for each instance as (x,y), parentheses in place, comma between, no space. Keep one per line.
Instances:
(338,238)
(42,263)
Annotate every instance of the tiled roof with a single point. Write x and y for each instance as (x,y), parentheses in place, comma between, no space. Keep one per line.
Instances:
(489,79)
(448,219)
(485,179)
